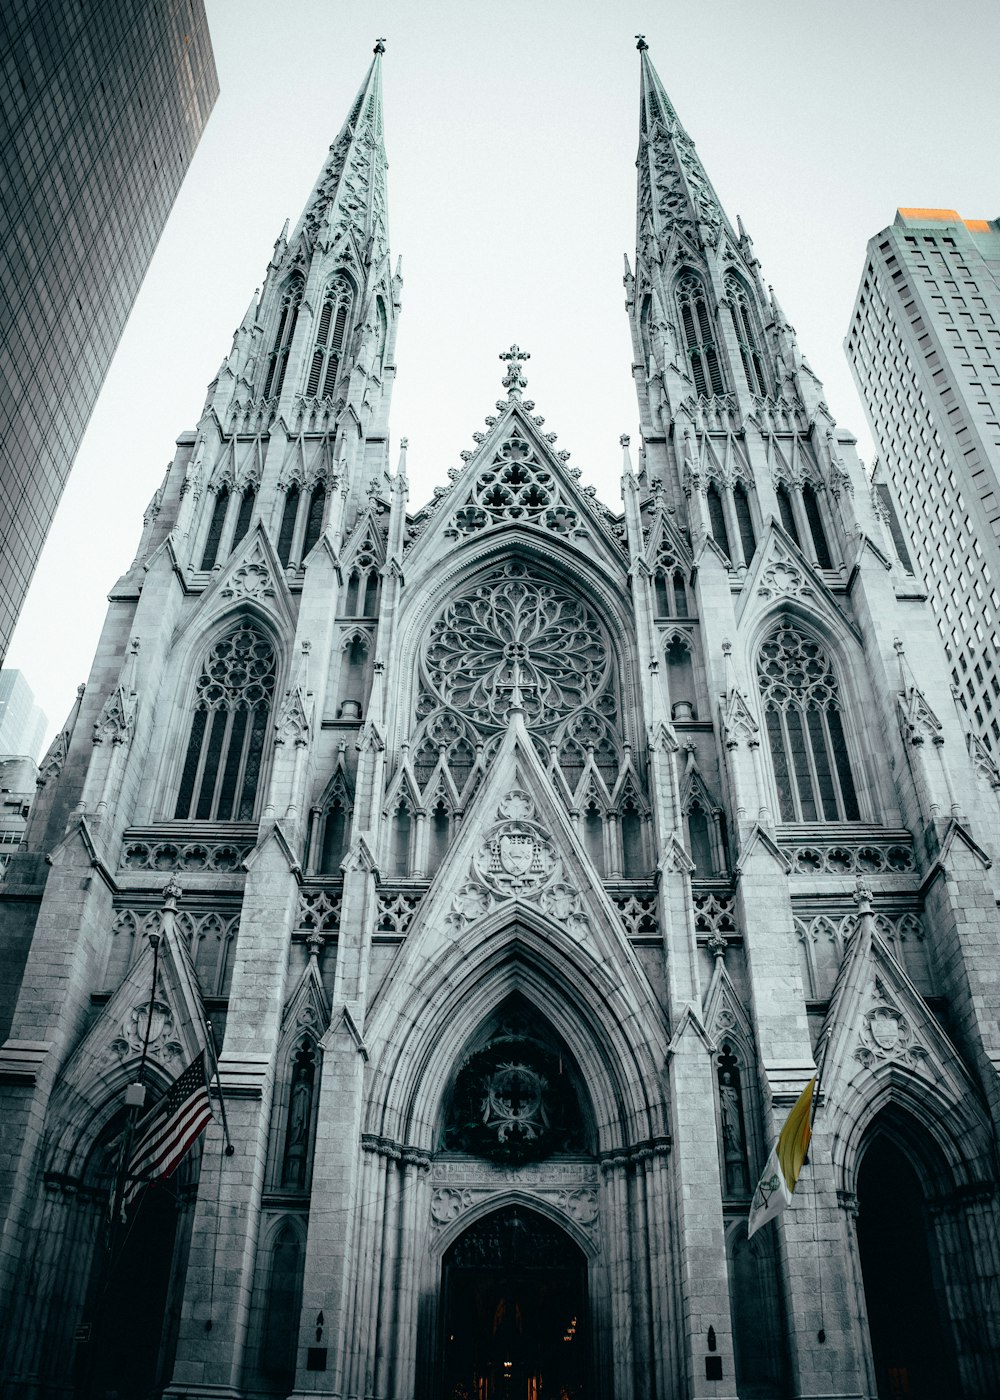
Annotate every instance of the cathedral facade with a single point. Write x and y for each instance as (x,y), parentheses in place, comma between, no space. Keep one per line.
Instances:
(526,858)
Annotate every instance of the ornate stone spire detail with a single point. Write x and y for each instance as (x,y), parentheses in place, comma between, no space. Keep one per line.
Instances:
(350,192)
(675,193)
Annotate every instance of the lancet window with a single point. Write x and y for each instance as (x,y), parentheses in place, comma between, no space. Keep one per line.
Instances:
(730,518)
(670,588)
(247,498)
(333,832)
(331,332)
(705,833)
(805,729)
(699,336)
(747,337)
(277,361)
(802,515)
(363,583)
(286,532)
(225,747)
(216,525)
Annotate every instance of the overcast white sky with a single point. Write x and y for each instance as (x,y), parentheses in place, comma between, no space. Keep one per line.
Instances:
(512,132)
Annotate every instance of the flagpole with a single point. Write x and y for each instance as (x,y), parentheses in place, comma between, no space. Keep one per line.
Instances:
(229,1149)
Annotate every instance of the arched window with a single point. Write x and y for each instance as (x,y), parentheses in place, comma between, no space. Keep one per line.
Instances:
(699,336)
(787,513)
(336,829)
(805,731)
(400,849)
(661,594)
(681,608)
(717,520)
(314,520)
(245,514)
(593,835)
(645,315)
(225,747)
(744,520)
(277,361)
(215,528)
(815,518)
(440,836)
(747,338)
(634,864)
(286,533)
(700,841)
(383,330)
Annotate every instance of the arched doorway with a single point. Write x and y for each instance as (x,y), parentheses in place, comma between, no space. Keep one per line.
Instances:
(514,1304)
(908,1338)
(127,1330)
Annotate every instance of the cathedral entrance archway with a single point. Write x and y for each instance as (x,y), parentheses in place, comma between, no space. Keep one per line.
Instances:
(905,1323)
(514,1305)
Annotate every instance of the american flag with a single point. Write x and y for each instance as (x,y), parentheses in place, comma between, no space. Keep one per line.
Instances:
(168,1130)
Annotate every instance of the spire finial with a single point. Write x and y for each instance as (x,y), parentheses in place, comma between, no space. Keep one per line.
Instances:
(641,44)
(514,381)
(379,46)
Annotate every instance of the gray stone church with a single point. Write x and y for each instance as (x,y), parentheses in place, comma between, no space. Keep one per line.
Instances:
(531,856)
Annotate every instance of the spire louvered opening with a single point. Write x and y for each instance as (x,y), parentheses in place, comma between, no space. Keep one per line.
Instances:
(288,316)
(331,331)
(699,336)
(747,335)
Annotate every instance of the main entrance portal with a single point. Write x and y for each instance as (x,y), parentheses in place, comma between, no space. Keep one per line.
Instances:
(515,1311)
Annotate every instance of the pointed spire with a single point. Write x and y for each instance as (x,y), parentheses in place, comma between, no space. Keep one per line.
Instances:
(674,190)
(350,190)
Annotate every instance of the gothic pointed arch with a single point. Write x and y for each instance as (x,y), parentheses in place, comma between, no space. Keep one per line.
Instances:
(331,831)
(224,753)
(811,759)
(295,1106)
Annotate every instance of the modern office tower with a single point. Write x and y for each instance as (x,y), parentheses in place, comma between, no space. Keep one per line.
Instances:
(22,722)
(101,107)
(527,856)
(924,347)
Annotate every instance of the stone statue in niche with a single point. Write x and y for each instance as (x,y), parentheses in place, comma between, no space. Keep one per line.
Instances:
(299,1122)
(734,1148)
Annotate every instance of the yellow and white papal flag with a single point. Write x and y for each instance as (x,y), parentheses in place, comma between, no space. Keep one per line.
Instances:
(777,1182)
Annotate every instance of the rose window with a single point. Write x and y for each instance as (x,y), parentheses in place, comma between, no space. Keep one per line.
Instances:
(516,633)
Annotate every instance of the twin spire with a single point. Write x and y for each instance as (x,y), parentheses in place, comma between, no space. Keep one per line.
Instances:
(675,193)
(350,192)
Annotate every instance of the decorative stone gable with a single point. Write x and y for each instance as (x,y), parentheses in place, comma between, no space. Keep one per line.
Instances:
(517,859)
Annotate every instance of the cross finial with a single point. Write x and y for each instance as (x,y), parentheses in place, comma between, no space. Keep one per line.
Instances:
(514,381)
(379,46)
(641,44)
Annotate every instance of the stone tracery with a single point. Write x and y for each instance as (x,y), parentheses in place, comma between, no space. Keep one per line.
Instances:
(513,630)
